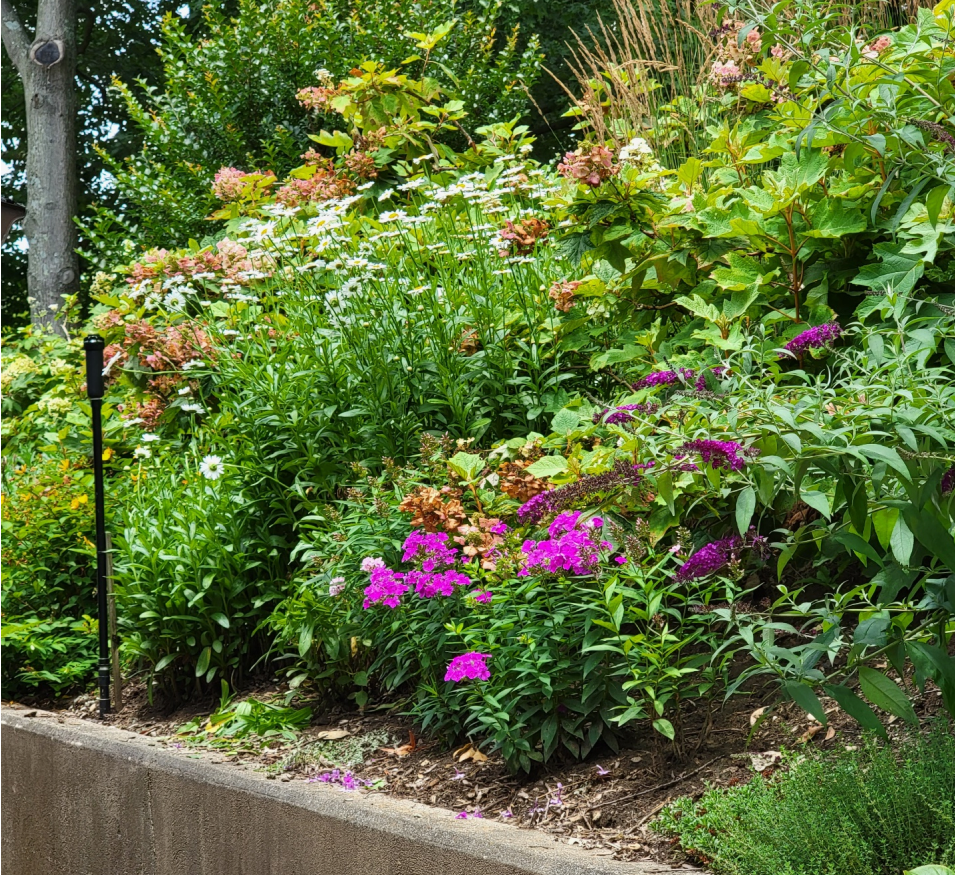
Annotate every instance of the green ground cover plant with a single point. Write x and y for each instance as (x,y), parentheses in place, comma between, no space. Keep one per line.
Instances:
(874,810)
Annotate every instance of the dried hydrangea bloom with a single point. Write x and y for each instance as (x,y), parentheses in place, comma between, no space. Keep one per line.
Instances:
(589,166)
(562,294)
(469,666)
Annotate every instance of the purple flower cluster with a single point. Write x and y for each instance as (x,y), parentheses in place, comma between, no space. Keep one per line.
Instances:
(430,549)
(622,474)
(620,414)
(471,666)
(721,454)
(386,586)
(428,586)
(683,375)
(948,481)
(814,338)
(347,780)
(571,548)
(716,555)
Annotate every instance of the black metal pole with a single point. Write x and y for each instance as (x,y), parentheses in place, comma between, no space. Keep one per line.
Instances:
(94,345)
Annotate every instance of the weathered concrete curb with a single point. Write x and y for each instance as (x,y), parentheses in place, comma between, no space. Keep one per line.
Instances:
(85,799)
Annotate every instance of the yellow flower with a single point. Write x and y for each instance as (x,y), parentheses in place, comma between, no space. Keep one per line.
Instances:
(64,464)
(80,499)
(107,454)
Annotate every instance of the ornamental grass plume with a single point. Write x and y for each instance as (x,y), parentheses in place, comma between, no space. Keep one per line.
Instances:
(468,666)
(814,338)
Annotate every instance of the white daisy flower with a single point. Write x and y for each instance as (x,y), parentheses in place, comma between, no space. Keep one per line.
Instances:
(142,452)
(387,193)
(148,438)
(211,467)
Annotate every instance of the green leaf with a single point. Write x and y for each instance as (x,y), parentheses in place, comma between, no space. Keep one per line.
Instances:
(930,870)
(665,489)
(664,727)
(221,619)
(547,466)
(202,666)
(858,545)
(565,421)
(573,246)
(884,693)
(745,507)
(901,541)
(806,699)
(855,708)
(933,536)
(889,455)
(466,465)
(831,218)
(935,663)
(817,501)
(898,271)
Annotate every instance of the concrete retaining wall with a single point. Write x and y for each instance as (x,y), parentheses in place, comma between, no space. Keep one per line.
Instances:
(83,799)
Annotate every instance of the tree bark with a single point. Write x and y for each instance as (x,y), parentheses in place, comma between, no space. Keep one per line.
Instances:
(47,67)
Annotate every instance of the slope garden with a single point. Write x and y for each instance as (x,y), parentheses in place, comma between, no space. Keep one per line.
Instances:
(548,454)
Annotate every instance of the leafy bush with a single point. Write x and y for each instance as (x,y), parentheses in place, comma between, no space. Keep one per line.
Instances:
(196,576)
(875,810)
(229,95)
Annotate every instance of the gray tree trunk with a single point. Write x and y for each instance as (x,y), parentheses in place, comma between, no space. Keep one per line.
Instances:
(47,66)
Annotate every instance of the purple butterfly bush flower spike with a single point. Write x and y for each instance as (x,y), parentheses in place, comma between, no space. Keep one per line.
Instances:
(814,338)
(720,454)
(717,554)
(948,481)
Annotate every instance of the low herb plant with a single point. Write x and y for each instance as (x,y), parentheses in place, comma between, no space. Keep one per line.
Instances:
(870,810)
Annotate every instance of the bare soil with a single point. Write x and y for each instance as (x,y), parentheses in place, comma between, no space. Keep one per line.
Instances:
(606,803)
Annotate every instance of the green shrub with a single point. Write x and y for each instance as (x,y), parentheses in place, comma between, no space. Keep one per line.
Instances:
(197,572)
(874,810)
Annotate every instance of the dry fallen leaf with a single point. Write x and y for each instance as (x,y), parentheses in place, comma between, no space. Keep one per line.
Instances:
(765,759)
(810,732)
(470,752)
(756,715)
(405,749)
(332,734)
(830,733)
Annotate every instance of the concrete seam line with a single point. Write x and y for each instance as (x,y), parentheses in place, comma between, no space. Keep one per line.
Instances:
(522,851)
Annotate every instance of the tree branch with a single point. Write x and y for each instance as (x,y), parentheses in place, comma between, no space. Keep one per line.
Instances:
(15,40)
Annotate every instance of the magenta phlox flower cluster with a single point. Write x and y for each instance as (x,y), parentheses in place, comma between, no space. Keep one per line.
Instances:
(717,554)
(720,454)
(428,585)
(430,549)
(483,596)
(468,666)
(386,586)
(573,547)
(814,338)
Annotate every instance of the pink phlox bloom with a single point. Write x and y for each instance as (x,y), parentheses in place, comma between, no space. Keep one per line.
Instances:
(386,587)
(370,563)
(472,666)
(620,560)
(483,596)
(499,529)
